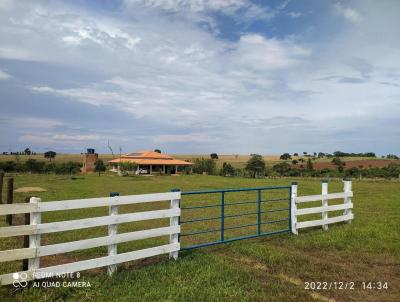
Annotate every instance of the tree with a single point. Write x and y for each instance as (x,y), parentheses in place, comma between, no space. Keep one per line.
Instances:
(255,165)
(285,156)
(214,156)
(50,155)
(99,166)
(321,154)
(392,156)
(305,153)
(296,154)
(128,167)
(295,162)
(27,151)
(339,163)
(204,166)
(157,150)
(227,169)
(281,168)
(309,166)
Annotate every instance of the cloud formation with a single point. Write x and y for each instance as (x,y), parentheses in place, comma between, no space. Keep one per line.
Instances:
(155,75)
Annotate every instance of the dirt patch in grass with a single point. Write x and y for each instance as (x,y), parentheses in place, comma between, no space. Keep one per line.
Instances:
(29,189)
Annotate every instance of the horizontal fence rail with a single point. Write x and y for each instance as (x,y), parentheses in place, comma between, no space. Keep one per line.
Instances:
(85,203)
(36,228)
(324,209)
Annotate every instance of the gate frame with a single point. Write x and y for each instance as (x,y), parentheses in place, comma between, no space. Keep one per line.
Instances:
(223,216)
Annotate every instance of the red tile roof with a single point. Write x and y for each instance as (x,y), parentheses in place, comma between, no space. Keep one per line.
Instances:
(150,158)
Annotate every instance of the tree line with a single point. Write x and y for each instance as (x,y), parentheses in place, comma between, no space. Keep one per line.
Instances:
(35,166)
(256,167)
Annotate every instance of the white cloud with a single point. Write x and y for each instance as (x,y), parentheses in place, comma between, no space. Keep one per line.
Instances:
(228,7)
(15,53)
(55,139)
(65,137)
(295,15)
(195,86)
(4,75)
(31,122)
(256,52)
(186,138)
(349,13)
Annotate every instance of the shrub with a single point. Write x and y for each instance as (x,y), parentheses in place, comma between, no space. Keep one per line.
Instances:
(204,165)
(128,167)
(227,170)
(309,166)
(282,168)
(67,168)
(34,166)
(99,166)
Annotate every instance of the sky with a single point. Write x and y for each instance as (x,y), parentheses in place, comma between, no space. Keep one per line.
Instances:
(200,76)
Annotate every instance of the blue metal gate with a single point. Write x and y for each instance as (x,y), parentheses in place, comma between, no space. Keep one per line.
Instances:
(218,216)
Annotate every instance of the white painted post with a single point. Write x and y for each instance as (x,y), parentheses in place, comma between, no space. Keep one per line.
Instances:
(113,230)
(293,208)
(347,189)
(174,221)
(34,240)
(324,203)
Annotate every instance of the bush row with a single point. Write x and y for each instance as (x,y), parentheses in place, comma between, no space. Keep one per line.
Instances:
(34,166)
(284,169)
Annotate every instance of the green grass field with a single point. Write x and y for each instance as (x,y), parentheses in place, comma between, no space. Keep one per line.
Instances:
(262,269)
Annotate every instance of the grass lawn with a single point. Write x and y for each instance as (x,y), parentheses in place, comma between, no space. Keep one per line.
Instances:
(263,269)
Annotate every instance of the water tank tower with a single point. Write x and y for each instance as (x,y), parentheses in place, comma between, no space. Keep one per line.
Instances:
(89,158)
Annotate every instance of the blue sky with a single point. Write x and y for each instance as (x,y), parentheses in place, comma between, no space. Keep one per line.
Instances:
(200,76)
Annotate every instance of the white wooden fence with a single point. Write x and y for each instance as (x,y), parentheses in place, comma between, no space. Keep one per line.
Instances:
(36,228)
(324,209)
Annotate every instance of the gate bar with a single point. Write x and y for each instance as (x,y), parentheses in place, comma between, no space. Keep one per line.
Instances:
(232,239)
(235,190)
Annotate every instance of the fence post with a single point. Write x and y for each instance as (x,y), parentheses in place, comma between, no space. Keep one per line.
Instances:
(347,189)
(293,208)
(26,237)
(324,203)
(222,216)
(113,230)
(1,186)
(174,221)
(34,240)
(259,212)
(10,198)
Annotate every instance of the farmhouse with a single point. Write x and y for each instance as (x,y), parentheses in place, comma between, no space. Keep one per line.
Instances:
(150,162)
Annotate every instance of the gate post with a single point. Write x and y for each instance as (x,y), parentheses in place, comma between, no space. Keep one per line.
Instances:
(293,207)
(10,198)
(174,221)
(324,203)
